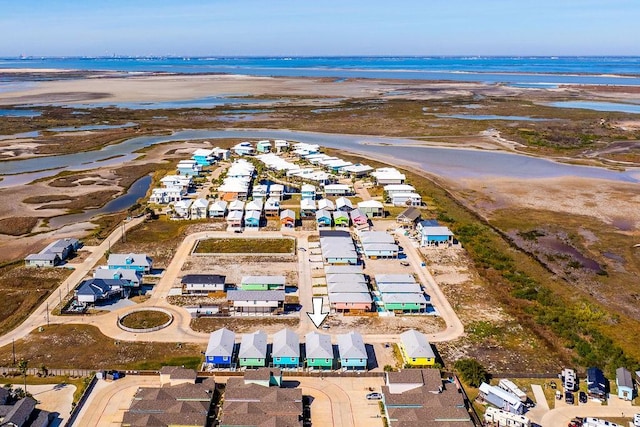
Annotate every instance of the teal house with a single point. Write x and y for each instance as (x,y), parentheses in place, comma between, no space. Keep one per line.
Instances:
(263,146)
(204,157)
(353,354)
(286,349)
(318,350)
(253,350)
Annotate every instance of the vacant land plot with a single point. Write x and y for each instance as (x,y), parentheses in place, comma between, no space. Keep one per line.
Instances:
(16,226)
(85,347)
(23,289)
(245,246)
(268,324)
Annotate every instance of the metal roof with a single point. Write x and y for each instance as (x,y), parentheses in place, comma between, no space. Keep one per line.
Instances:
(416,344)
(351,346)
(285,344)
(221,343)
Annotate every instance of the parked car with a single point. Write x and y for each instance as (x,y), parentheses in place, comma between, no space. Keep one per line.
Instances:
(636,420)
(582,397)
(374,396)
(404,263)
(568,397)
(558,395)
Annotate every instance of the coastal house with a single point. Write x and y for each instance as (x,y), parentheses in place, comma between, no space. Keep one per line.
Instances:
(163,196)
(221,153)
(386,176)
(236,205)
(94,290)
(346,287)
(337,247)
(234,219)
(188,168)
(371,208)
(204,157)
(132,277)
(264,377)
(180,181)
(326,204)
(323,218)
(234,189)
(341,219)
(131,261)
(415,349)
(202,284)
(281,145)
(343,204)
(408,218)
(260,191)
(272,208)
(308,191)
(406,199)
(252,219)
(253,350)
(262,283)
(54,253)
(336,190)
(318,351)
(358,218)
(501,399)
(391,189)
(219,351)
(336,165)
(286,349)
(288,218)
(182,209)
(241,169)
(434,235)
(218,209)
(349,302)
(254,205)
(263,146)
(419,396)
(357,170)
(244,149)
(307,208)
(353,354)
(257,302)
(276,191)
(199,209)
(378,244)
(624,381)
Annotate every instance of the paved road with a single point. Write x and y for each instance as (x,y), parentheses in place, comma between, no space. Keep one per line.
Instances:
(109,400)
(39,316)
(563,413)
(454,327)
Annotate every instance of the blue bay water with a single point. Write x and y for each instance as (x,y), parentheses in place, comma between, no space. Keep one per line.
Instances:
(527,71)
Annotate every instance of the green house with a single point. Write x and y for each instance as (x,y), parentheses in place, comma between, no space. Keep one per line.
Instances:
(319,351)
(411,303)
(262,283)
(253,350)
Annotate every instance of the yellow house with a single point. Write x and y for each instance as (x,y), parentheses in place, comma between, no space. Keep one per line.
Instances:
(415,349)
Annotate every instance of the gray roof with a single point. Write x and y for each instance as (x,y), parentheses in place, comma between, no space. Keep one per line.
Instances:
(338,247)
(323,213)
(436,230)
(342,269)
(236,295)
(403,298)
(285,344)
(253,346)
(367,237)
(416,344)
(623,378)
(61,245)
(47,256)
(203,279)
(351,346)
(119,273)
(20,413)
(141,260)
(400,288)
(99,286)
(263,280)
(318,346)
(380,247)
(409,214)
(346,278)
(395,278)
(347,287)
(221,343)
(353,297)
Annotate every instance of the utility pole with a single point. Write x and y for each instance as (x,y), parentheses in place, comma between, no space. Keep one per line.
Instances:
(13,348)
(47,313)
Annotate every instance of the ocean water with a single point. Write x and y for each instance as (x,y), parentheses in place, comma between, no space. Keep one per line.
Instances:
(518,71)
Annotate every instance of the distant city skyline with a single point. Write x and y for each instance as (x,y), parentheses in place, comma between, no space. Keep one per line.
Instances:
(326,28)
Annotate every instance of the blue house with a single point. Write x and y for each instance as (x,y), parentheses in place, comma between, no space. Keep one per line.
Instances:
(624,381)
(252,219)
(323,218)
(433,235)
(188,168)
(244,149)
(204,157)
(286,349)
(308,191)
(220,348)
(138,262)
(353,353)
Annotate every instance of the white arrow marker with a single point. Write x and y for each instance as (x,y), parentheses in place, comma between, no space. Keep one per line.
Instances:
(317,316)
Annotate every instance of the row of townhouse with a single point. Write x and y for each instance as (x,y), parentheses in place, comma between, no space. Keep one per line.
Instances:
(247,148)
(286,350)
(400,293)
(237,182)
(173,188)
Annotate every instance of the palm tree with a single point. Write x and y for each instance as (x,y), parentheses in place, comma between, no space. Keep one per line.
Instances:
(23,366)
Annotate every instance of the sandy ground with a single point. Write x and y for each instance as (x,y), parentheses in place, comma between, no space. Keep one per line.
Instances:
(54,398)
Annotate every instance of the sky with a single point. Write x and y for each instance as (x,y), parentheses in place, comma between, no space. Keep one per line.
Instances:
(318,27)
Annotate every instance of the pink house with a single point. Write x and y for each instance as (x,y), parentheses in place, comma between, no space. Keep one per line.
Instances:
(358,218)
(352,301)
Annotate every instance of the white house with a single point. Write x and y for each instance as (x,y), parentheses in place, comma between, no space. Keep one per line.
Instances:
(281,145)
(406,199)
(218,209)
(182,209)
(276,190)
(199,209)
(236,205)
(244,148)
(385,176)
(337,190)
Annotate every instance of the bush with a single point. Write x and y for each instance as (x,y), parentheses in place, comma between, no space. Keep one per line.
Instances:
(471,371)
